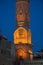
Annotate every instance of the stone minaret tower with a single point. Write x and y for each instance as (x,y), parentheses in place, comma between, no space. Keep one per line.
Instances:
(22,34)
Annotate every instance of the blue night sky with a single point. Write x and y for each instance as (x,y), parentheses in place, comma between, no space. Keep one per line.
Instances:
(8,21)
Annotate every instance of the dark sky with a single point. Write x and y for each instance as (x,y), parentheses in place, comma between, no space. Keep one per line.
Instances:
(8,21)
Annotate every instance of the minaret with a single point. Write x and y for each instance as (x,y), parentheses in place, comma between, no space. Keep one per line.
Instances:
(22,34)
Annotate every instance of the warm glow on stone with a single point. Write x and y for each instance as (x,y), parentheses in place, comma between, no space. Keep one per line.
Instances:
(20,17)
(21,35)
(21,53)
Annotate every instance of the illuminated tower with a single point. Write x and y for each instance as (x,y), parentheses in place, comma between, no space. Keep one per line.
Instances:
(22,34)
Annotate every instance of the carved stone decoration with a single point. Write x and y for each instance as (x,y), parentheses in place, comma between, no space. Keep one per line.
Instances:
(22,13)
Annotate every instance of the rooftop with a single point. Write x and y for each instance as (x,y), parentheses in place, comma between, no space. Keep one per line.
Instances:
(3,37)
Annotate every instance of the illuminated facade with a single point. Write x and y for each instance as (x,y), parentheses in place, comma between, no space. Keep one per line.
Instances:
(22,34)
